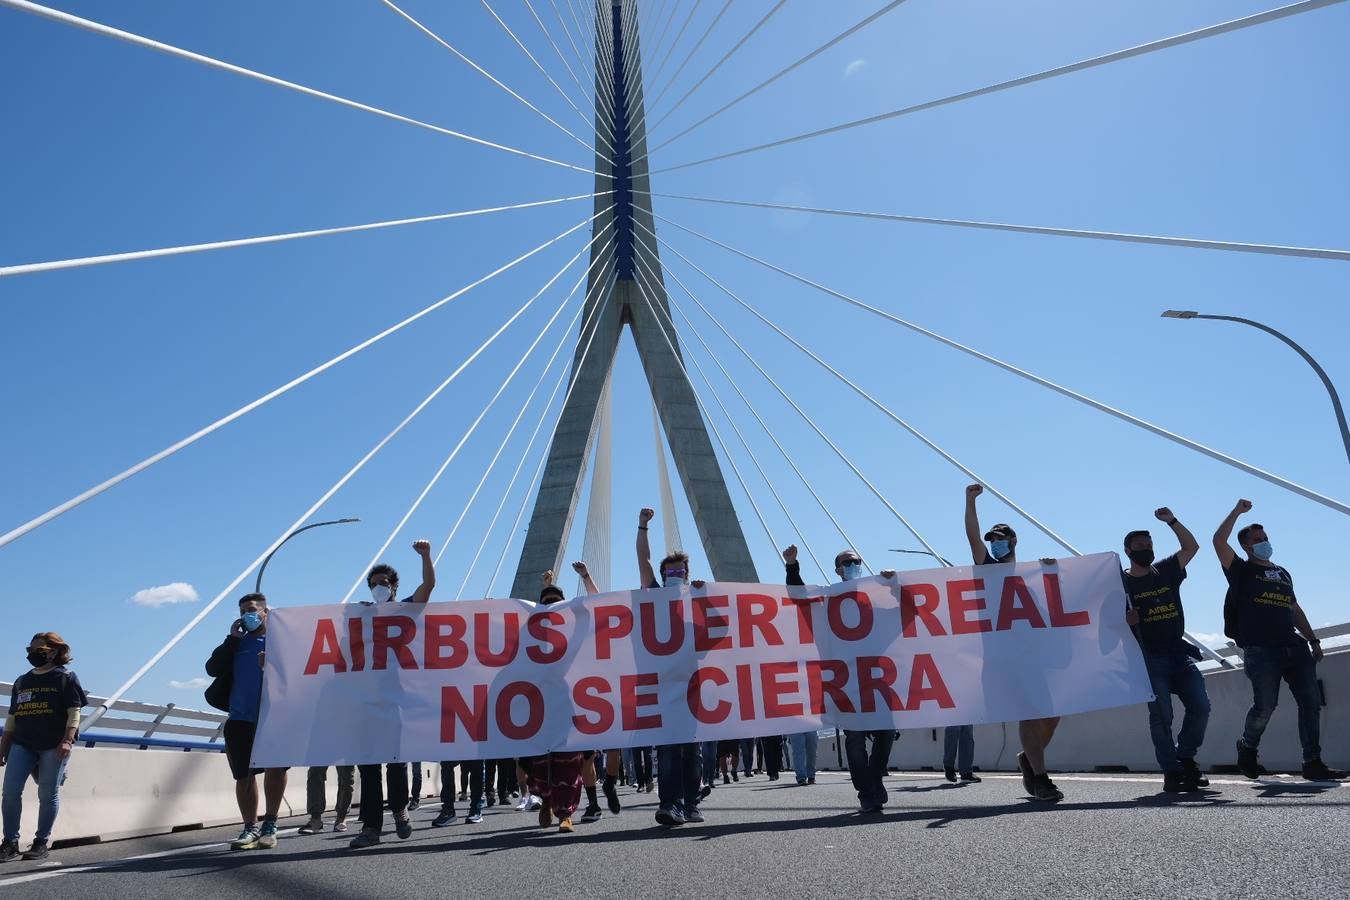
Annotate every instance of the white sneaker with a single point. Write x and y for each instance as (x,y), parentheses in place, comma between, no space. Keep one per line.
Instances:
(524,802)
(534,803)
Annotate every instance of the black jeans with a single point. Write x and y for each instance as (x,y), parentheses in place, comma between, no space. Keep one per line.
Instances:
(472,770)
(372,793)
(773,754)
(642,765)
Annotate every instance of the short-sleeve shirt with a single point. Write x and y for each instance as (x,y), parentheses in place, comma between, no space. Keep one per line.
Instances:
(246,691)
(1157,597)
(1265,600)
(40,705)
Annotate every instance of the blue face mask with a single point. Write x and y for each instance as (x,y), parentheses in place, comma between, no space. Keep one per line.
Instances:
(999,549)
(1263,551)
(252,621)
(852,570)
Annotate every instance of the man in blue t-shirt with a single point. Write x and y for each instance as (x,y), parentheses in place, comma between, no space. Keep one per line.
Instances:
(239,658)
(1154,593)
(1269,623)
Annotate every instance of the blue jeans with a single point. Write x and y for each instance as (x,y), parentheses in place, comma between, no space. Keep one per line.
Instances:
(804,753)
(708,761)
(679,771)
(958,748)
(51,775)
(1175,673)
(866,770)
(1265,667)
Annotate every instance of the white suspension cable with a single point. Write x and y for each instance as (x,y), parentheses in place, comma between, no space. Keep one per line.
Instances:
(1045,529)
(656,73)
(55,265)
(454,452)
(670,524)
(726,414)
(588,120)
(487,532)
(1036,379)
(173,448)
(777,75)
(656,45)
(1139,50)
(698,84)
(1163,240)
(486,74)
(690,55)
(464,510)
(707,416)
(129,37)
(567,33)
(596,545)
(585,92)
(277,542)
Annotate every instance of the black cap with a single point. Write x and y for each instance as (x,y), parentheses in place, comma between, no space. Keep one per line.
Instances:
(1001,530)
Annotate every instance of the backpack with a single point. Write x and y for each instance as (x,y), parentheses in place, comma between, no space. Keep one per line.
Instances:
(1232,616)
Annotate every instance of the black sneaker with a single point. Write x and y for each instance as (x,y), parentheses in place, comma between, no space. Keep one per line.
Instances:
(612,796)
(669,816)
(949,773)
(368,837)
(971,777)
(735,777)
(1044,789)
(1176,782)
(1028,776)
(1247,763)
(1313,770)
(1193,773)
(444,819)
(491,798)
(704,791)
(402,827)
(811,780)
(412,804)
(39,849)
(726,779)
(801,782)
(591,814)
(693,816)
(9,850)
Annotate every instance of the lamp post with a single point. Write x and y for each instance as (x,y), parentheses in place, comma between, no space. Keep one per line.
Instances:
(1321,373)
(257,584)
(945,562)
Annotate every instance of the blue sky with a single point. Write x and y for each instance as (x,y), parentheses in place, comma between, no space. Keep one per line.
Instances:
(111,147)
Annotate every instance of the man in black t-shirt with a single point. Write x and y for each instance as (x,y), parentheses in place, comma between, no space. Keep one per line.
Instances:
(1035,734)
(1154,592)
(1267,615)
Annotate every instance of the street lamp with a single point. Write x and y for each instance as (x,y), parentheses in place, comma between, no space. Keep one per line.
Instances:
(1321,373)
(257,584)
(922,553)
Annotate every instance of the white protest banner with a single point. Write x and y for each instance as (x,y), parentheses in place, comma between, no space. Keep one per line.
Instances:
(504,678)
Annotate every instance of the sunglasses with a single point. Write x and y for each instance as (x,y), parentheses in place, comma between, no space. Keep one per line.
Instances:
(675,573)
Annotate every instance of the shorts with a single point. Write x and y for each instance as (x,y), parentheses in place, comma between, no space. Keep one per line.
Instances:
(239,747)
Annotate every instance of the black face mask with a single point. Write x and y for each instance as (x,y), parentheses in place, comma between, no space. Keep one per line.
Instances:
(39,658)
(1141,557)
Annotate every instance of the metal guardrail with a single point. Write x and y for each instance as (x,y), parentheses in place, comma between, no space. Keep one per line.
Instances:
(161,726)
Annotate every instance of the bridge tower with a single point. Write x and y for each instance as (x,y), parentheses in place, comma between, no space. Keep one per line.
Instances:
(624,172)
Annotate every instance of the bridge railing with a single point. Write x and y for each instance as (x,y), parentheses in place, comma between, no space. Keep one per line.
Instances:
(164,726)
(1330,632)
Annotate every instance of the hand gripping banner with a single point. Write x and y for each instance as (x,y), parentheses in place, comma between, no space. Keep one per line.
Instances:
(504,678)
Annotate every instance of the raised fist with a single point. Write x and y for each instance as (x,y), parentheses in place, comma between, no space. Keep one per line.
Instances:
(790,554)
(579,568)
(645,515)
(422,547)
(1163,514)
(973,491)
(548,578)
(1243,506)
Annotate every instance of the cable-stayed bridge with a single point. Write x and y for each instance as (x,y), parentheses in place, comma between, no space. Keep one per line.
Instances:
(656,95)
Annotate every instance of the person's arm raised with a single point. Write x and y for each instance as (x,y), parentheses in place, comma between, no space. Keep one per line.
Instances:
(1189,545)
(586,579)
(977,551)
(644,552)
(1221,546)
(423,592)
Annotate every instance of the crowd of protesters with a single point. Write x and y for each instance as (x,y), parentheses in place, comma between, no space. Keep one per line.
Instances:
(1261,614)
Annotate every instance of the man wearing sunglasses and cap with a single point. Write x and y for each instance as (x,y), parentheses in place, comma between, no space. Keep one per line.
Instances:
(1035,734)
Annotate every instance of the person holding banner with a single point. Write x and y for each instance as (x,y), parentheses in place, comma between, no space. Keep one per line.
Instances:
(613,758)
(239,659)
(1035,734)
(383,584)
(1154,591)
(679,767)
(555,778)
(866,770)
(1262,614)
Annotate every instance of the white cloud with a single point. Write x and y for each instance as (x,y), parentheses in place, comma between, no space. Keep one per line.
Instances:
(165,594)
(190,684)
(854,67)
(1211,639)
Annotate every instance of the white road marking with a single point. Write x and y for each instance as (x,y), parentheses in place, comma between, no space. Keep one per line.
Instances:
(94,867)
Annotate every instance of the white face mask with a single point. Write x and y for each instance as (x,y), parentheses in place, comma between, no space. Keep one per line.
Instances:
(381,592)
(671,581)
